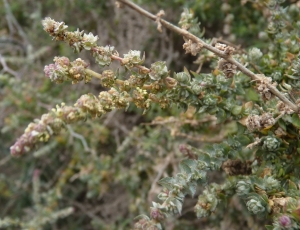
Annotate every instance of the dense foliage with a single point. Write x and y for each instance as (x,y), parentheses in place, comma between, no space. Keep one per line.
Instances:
(209,139)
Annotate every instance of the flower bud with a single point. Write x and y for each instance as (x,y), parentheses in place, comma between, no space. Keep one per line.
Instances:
(183,78)
(108,78)
(156,214)
(255,54)
(197,88)
(55,29)
(271,183)
(285,221)
(200,211)
(209,100)
(158,70)
(271,143)
(89,41)
(242,188)
(103,55)
(132,58)
(255,206)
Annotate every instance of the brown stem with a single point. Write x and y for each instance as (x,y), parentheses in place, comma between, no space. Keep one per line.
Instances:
(216,51)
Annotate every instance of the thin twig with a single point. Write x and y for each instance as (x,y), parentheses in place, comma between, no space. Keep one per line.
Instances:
(7,69)
(11,20)
(216,51)
(160,172)
(80,137)
(4,160)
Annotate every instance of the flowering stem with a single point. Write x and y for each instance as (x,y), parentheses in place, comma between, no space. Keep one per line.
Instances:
(118,81)
(216,51)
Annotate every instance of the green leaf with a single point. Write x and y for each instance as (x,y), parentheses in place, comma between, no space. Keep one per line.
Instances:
(244,140)
(178,205)
(183,106)
(167,182)
(292,185)
(296,120)
(236,110)
(187,166)
(221,114)
(192,187)
(281,172)
(240,90)
(282,124)
(251,95)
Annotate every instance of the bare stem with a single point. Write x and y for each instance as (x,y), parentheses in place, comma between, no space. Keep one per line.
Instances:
(93,73)
(216,51)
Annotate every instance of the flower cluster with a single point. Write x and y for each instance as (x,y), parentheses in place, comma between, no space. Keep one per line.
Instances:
(158,70)
(42,129)
(103,55)
(207,203)
(132,58)
(63,70)
(257,123)
(77,40)
(255,54)
(53,122)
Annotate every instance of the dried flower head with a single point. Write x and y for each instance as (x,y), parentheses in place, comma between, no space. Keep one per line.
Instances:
(257,123)
(283,108)
(237,167)
(227,68)
(267,120)
(55,29)
(220,46)
(158,17)
(262,86)
(228,50)
(170,82)
(191,47)
(253,123)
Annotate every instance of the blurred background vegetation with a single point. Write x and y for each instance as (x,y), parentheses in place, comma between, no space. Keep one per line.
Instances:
(101,173)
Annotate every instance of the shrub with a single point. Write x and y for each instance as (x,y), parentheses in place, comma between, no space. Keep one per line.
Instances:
(239,115)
